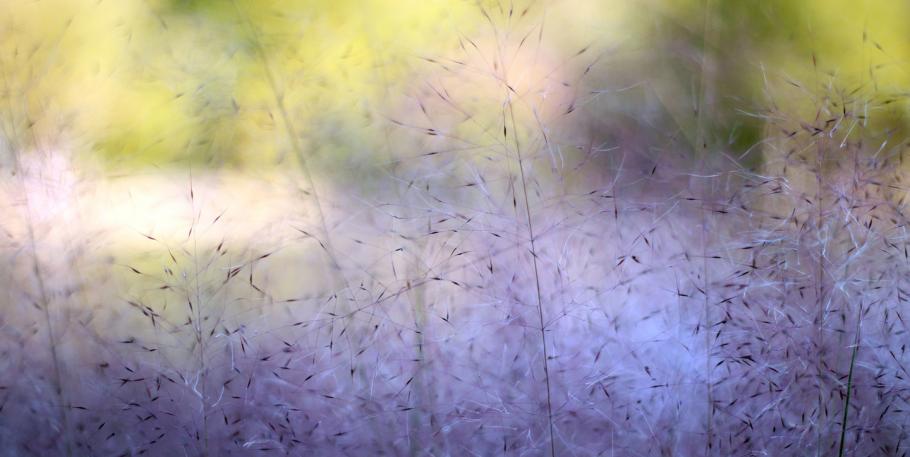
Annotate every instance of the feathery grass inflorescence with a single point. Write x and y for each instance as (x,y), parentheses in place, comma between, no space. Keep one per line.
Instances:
(535,270)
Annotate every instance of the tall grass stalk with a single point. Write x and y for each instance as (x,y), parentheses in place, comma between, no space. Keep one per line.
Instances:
(534,252)
(44,302)
(706,193)
(843,427)
(200,334)
(293,135)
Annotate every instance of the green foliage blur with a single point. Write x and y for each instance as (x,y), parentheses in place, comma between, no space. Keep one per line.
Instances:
(136,83)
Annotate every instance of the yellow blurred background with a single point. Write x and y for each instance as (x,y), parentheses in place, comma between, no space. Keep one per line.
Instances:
(136,83)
